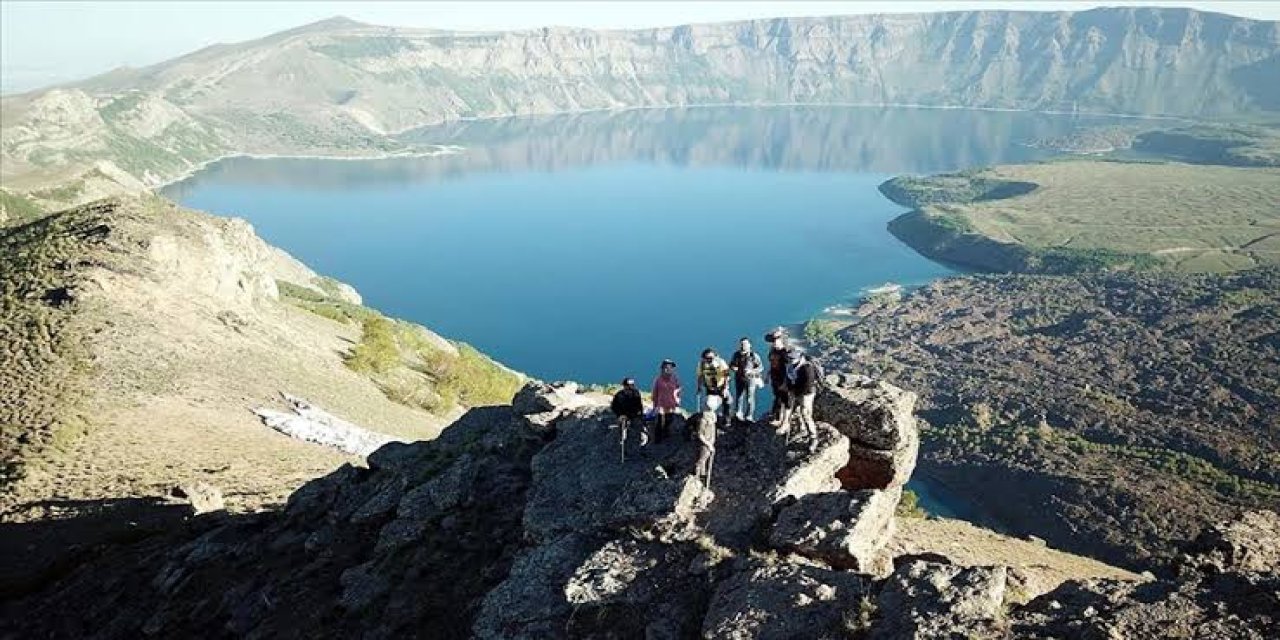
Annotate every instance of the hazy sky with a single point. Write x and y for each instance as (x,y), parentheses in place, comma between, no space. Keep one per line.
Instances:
(43,43)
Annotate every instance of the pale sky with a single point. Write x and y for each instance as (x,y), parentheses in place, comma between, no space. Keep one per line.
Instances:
(45,43)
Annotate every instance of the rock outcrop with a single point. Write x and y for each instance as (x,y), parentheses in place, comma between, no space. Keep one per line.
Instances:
(879,420)
(503,528)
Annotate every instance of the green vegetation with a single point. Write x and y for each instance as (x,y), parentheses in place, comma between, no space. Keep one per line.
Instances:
(1020,445)
(410,365)
(323,304)
(356,47)
(1236,145)
(821,333)
(1093,215)
(43,358)
(377,351)
(961,187)
(16,209)
(909,506)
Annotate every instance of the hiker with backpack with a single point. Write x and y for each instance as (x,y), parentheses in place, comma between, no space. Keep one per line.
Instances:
(666,398)
(713,379)
(777,340)
(629,407)
(748,376)
(803,377)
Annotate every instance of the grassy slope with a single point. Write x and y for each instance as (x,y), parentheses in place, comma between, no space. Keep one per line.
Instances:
(42,338)
(1091,214)
(175,343)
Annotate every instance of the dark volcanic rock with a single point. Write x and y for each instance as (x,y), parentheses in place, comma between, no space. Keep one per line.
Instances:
(845,530)
(1129,410)
(925,600)
(764,599)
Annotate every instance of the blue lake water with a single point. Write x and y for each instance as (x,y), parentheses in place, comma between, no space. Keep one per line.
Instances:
(590,247)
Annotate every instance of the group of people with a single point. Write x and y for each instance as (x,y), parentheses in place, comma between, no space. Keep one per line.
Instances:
(791,375)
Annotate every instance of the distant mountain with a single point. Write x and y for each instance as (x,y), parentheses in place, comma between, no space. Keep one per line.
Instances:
(339,87)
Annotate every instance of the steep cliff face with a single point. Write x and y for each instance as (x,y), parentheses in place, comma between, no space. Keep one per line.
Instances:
(338,87)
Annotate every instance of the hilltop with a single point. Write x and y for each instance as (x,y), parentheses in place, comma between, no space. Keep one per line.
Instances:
(140,338)
(346,89)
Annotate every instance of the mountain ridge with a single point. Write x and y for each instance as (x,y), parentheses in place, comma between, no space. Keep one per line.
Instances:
(337,87)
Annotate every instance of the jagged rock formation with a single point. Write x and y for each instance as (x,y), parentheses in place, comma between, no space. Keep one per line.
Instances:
(519,524)
(503,528)
(340,87)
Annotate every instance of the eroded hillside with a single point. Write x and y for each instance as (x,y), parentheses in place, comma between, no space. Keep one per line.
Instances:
(1125,411)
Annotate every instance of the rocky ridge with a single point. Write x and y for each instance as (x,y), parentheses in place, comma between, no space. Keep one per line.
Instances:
(343,88)
(512,527)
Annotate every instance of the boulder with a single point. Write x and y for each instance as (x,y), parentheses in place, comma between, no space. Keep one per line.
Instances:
(542,403)
(767,598)
(531,602)
(926,600)
(816,470)
(844,530)
(203,497)
(879,420)
(580,483)
(630,588)
(1250,542)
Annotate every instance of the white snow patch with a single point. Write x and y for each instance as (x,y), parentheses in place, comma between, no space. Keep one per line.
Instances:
(313,424)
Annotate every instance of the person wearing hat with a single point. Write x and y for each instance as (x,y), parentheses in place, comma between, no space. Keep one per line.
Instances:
(713,378)
(666,397)
(629,407)
(802,384)
(777,340)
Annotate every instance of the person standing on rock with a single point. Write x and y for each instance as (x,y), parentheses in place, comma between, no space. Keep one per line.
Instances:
(706,436)
(713,379)
(802,385)
(777,340)
(629,407)
(666,397)
(748,375)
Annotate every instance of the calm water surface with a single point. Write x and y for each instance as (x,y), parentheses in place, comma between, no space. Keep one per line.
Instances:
(589,247)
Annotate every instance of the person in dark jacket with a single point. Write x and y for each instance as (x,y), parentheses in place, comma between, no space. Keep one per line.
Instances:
(748,374)
(629,407)
(802,384)
(777,340)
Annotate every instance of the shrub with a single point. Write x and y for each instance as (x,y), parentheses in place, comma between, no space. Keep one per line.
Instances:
(377,351)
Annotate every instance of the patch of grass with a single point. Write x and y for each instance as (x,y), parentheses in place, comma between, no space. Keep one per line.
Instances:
(414,370)
(299,293)
(1018,444)
(1094,215)
(909,506)
(63,193)
(821,333)
(377,351)
(857,623)
(16,209)
(43,355)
